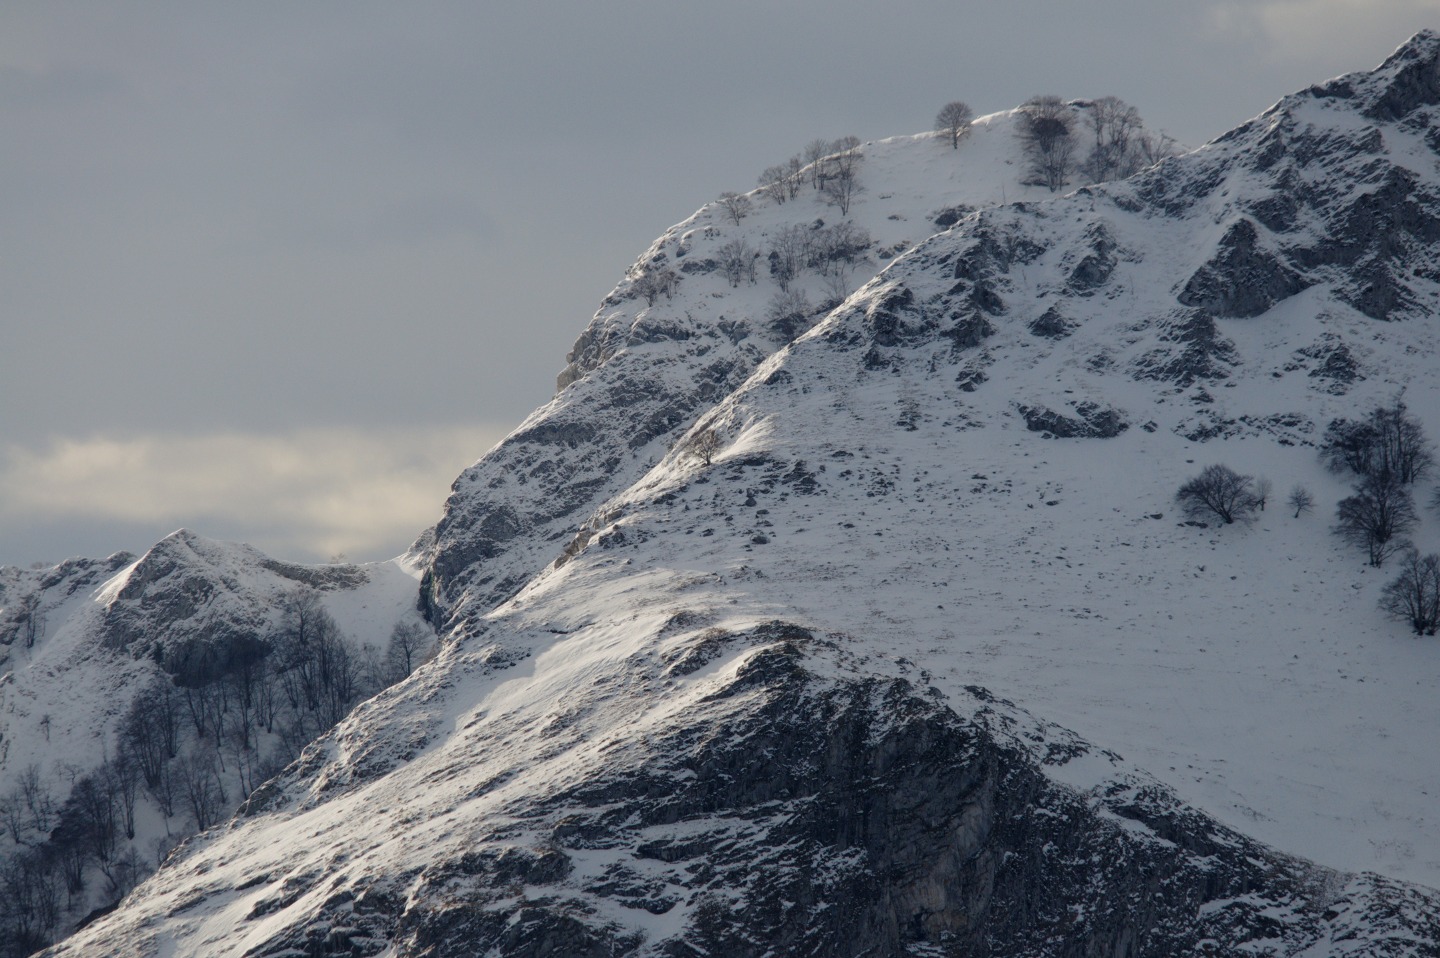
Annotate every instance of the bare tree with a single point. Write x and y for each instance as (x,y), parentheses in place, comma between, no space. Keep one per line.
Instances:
(840,174)
(1115,126)
(406,648)
(1220,491)
(1264,488)
(1377,517)
(12,813)
(735,205)
(789,313)
(815,151)
(29,902)
(655,282)
(1300,500)
(834,251)
(244,687)
(788,253)
(38,800)
(203,788)
(954,119)
(1047,131)
(794,176)
(1414,595)
(93,806)
(704,445)
(773,182)
(123,779)
(165,789)
(1151,148)
(31,619)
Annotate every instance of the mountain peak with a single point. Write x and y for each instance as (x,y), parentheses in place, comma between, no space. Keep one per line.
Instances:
(1407,80)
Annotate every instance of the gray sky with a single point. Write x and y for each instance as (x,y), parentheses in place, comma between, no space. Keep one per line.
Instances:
(277,271)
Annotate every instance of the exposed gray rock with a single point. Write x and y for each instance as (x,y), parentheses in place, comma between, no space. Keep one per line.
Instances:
(1051,324)
(1090,421)
(1094,268)
(1242,278)
(1199,353)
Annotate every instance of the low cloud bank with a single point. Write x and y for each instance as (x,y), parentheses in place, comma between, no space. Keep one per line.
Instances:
(306,495)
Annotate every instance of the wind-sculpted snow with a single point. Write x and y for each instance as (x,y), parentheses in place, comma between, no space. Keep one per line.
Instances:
(918,657)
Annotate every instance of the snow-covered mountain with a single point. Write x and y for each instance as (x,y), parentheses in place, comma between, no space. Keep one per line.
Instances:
(875,630)
(137,704)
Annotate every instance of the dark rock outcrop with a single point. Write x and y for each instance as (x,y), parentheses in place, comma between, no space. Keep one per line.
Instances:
(793,813)
(1242,278)
(1091,421)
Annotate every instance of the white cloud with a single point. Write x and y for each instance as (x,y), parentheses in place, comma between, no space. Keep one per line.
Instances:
(308,494)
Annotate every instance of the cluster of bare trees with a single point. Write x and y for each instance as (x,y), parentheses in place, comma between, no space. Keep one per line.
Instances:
(832,252)
(56,845)
(830,166)
(1389,442)
(1057,149)
(196,741)
(655,282)
(1388,452)
(1119,145)
(783,181)
(737,261)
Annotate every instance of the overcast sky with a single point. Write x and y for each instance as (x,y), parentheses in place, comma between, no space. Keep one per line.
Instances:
(277,271)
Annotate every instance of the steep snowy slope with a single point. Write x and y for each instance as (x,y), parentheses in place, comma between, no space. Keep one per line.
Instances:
(642,370)
(921,660)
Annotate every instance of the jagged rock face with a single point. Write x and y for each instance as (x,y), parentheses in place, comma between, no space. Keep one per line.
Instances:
(1348,205)
(546,477)
(851,819)
(1241,280)
(1089,422)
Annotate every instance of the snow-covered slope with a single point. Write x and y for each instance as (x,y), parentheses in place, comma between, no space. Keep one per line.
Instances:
(922,659)
(641,371)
